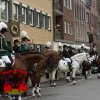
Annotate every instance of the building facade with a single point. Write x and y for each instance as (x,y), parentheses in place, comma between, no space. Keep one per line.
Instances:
(92,21)
(63,22)
(68,20)
(32,16)
(98,35)
(80,21)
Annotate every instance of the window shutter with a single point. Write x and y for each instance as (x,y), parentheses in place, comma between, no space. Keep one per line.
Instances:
(27,15)
(46,22)
(20,12)
(49,23)
(35,18)
(41,19)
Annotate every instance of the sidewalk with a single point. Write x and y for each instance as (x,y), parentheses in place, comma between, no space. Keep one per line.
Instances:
(44,80)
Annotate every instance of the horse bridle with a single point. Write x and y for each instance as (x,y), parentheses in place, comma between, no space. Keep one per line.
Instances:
(87,58)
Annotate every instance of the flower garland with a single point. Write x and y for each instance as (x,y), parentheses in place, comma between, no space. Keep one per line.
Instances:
(15,81)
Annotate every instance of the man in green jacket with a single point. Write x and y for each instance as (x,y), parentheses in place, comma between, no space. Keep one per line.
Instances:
(4,48)
(24,46)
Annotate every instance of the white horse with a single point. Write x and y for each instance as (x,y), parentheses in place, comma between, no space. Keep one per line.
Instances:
(76,61)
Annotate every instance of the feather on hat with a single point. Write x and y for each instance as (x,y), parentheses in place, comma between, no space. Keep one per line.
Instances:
(24,34)
(3,25)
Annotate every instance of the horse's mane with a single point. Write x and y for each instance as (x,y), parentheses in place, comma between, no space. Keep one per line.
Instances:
(79,54)
(27,53)
(35,52)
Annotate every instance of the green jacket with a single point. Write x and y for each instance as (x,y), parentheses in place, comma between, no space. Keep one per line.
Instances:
(24,47)
(4,48)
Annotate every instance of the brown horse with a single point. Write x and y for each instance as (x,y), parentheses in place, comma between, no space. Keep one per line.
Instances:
(86,68)
(36,64)
(53,61)
(26,62)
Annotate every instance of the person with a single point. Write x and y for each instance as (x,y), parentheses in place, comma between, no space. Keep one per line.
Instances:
(71,53)
(66,55)
(16,46)
(48,47)
(5,51)
(24,46)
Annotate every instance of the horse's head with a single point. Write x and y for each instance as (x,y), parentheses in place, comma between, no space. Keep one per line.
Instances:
(19,64)
(80,57)
(36,62)
(87,58)
(53,58)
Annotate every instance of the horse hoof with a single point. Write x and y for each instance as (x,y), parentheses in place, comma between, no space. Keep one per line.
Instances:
(98,77)
(74,82)
(68,79)
(54,84)
(85,77)
(51,84)
(39,94)
(19,98)
(33,95)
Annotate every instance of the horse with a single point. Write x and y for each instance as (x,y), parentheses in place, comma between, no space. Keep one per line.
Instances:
(98,65)
(36,64)
(86,69)
(77,60)
(26,62)
(53,60)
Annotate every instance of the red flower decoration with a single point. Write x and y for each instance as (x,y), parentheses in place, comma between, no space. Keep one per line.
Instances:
(15,78)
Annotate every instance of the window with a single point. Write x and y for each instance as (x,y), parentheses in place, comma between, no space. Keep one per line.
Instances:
(68,4)
(31,17)
(38,19)
(71,29)
(57,1)
(3,10)
(65,30)
(71,4)
(44,20)
(68,28)
(75,11)
(15,11)
(87,17)
(23,15)
(49,25)
(64,3)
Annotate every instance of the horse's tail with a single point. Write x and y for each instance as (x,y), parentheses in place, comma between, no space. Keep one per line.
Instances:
(49,64)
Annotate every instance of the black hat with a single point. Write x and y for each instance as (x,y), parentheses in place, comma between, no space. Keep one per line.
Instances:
(16,41)
(46,47)
(24,39)
(65,46)
(3,30)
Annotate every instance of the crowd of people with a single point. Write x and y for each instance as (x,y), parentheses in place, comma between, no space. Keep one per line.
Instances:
(24,46)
